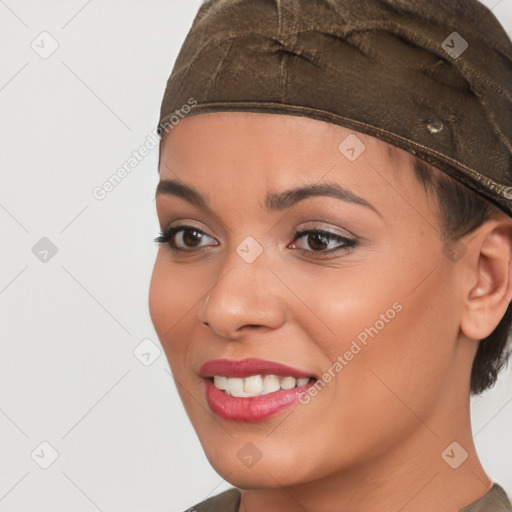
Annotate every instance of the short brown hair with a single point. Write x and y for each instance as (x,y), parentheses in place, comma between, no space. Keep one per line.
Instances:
(461,211)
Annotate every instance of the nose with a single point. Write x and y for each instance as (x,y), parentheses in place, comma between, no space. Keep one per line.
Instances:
(245,297)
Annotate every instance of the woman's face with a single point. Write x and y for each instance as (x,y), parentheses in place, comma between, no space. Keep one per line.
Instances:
(374,293)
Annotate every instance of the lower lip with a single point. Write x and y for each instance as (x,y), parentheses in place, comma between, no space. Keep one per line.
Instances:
(250,409)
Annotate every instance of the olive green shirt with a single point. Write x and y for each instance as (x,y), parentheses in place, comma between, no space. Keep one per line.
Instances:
(495,500)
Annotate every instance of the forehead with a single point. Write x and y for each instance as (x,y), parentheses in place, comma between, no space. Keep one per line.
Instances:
(285,125)
(279,142)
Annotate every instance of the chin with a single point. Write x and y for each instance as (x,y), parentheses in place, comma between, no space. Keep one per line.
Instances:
(259,476)
(247,467)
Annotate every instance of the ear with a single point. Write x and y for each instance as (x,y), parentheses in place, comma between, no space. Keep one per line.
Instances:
(490,288)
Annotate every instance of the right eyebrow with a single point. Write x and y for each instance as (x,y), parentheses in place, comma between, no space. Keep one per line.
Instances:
(177,189)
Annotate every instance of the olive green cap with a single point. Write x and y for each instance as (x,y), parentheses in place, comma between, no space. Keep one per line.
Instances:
(433,77)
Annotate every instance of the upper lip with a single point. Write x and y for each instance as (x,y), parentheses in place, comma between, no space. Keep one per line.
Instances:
(248,367)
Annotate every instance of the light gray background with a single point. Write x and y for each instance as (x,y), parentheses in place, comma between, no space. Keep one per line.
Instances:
(69,326)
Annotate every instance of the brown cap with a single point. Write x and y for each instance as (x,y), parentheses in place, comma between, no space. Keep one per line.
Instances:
(433,77)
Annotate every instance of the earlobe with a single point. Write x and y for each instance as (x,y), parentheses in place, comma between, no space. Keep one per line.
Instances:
(491,288)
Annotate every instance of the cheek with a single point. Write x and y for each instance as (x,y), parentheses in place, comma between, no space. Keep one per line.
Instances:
(388,329)
(168,306)
(173,294)
(158,298)
(383,349)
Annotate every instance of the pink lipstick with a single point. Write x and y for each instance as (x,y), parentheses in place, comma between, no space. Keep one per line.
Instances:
(252,389)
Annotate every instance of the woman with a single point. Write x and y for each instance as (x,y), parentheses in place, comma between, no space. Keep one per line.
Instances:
(334,281)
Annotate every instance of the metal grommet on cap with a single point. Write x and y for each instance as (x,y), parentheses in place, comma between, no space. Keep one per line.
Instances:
(434,125)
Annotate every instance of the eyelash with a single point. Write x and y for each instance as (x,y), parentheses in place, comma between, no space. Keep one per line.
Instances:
(167,234)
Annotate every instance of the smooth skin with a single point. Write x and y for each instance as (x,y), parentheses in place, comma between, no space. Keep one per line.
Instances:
(371,440)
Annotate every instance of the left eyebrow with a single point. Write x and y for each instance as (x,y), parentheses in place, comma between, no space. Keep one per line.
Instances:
(273,201)
(282,200)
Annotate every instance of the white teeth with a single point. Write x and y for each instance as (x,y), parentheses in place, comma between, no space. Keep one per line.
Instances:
(220,382)
(288,382)
(270,384)
(253,384)
(235,386)
(256,385)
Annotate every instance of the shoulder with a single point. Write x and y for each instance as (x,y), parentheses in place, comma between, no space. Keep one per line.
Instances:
(495,500)
(227,501)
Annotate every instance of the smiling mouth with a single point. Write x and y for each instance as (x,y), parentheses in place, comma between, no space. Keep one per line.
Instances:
(252,390)
(257,385)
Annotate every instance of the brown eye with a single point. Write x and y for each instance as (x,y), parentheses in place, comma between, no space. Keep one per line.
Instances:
(182,238)
(318,241)
(191,237)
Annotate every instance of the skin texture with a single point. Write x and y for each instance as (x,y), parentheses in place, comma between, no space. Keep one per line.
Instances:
(372,438)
